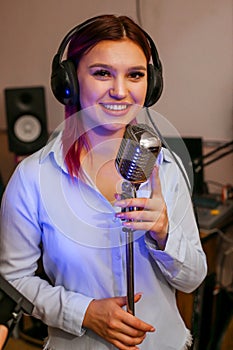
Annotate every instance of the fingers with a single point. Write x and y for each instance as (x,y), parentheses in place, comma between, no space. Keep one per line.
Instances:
(133,202)
(148,214)
(131,320)
(122,301)
(143,203)
(135,326)
(155,182)
(137,297)
(107,318)
(142,218)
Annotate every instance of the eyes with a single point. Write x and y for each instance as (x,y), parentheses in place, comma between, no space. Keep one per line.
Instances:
(105,74)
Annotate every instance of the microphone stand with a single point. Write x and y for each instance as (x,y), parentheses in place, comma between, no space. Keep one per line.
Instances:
(135,162)
(216,154)
(129,191)
(130,271)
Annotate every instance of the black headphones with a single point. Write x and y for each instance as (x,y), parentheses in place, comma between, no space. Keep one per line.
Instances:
(64,82)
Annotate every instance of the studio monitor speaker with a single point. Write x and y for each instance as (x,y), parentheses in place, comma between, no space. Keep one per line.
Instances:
(26,119)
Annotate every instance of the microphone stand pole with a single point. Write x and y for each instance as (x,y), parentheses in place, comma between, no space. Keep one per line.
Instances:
(130,270)
(130,256)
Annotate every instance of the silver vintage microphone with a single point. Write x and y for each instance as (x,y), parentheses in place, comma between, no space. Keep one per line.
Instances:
(137,154)
(135,162)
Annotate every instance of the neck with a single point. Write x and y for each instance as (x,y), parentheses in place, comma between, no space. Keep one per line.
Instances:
(105,142)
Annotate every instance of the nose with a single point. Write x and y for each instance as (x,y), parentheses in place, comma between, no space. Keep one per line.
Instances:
(119,88)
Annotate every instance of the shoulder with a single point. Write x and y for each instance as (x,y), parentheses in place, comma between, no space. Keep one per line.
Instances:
(28,168)
(24,178)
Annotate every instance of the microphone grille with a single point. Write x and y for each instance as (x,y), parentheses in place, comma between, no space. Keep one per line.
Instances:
(137,154)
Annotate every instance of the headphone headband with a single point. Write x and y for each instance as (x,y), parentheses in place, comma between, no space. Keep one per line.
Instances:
(71,33)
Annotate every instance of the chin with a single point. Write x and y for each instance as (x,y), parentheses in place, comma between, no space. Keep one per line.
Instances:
(114,126)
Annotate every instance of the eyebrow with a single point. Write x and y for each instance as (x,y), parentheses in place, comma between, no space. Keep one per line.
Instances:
(107,66)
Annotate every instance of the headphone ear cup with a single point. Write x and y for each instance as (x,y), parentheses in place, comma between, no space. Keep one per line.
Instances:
(64,82)
(154,85)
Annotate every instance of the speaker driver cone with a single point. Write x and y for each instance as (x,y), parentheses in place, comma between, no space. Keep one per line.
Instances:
(27,128)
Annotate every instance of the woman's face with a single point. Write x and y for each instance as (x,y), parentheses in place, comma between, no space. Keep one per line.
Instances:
(112,78)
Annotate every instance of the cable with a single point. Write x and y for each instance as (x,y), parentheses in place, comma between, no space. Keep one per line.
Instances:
(218,149)
(138,12)
(200,163)
(171,152)
(139,19)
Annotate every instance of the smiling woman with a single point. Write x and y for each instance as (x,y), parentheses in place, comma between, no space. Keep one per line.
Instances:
(65,204)
(121,33)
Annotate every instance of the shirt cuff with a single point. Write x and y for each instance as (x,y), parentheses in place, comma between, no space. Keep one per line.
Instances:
(74,314)
(150,242)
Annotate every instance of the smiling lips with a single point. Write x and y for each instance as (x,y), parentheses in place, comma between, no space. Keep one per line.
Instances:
(115,107)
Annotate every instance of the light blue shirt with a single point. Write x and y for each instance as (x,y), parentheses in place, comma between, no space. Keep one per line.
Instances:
(82,244)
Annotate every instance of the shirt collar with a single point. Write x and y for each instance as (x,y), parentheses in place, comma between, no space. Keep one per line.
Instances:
(163,156)
(54,147)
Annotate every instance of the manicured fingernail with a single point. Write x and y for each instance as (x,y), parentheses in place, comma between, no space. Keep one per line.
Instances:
(120,215)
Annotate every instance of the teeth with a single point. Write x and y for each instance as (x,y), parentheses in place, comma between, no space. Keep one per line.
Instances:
(116,107)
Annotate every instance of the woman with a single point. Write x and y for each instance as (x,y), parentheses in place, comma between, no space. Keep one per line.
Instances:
(63,203)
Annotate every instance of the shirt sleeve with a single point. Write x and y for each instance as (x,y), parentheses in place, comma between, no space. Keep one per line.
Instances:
(20,250)
(183,261)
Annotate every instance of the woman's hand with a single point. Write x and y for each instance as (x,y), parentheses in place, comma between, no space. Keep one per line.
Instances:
(3,335)
(106,318)
(150,214)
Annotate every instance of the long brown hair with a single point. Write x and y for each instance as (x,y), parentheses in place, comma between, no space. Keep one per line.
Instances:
(90,33)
